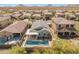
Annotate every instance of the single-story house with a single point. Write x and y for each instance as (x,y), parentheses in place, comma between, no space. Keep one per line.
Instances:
(14,31)
(36,16)
(48,15)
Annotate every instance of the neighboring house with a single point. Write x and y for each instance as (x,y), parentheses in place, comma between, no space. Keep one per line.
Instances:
(60,11)
(11,10)
(70,16)
(4,17)
(64,27)
(47,15)
(14,32)
(16,15)
(77,16)
(5,21)
(36,17)
(25,16)
(29,11)
(37,12)
(59,14)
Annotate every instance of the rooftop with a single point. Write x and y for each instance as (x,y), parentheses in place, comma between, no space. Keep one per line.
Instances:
(37,27)
(39,23)
(2,18)
(16,27)
(60,20)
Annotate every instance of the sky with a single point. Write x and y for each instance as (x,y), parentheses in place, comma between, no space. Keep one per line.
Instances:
(2,5)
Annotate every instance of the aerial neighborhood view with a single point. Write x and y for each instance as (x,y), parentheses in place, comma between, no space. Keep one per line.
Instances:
(39,29)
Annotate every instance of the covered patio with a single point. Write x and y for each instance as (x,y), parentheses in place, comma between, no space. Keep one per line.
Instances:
(67,34)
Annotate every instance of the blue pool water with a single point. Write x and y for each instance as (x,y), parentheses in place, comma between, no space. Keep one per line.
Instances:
(17,38)
(2,41)
(36,42)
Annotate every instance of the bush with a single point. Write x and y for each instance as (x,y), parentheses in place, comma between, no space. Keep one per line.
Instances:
(36,51)
(64,46)
(17,50)
(41,51)
(60,46)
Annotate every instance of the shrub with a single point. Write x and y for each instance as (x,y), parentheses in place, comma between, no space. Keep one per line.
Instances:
(17,50)
(36,51)
(60,46)
(64,46)
(42,51)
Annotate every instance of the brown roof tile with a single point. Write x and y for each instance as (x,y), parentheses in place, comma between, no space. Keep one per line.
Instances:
(16,27)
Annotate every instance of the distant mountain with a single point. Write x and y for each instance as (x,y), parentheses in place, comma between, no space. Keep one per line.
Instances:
(72,5)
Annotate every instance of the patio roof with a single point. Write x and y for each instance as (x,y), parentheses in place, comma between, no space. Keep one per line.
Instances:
(17,27)
(31,33)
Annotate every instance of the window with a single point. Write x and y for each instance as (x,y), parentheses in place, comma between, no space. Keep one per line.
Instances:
(50,25)
(59,25)
(72,25)
(60,33)
(66,33)
(72,33)
(44,34)
(67,26)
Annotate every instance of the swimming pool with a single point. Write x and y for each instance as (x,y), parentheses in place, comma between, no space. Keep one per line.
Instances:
(33,43)
(2,41)
(36,42)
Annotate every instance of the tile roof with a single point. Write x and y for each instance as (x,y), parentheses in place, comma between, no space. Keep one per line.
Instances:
(60,20)
(16,27)
(4,18)
(39,23)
